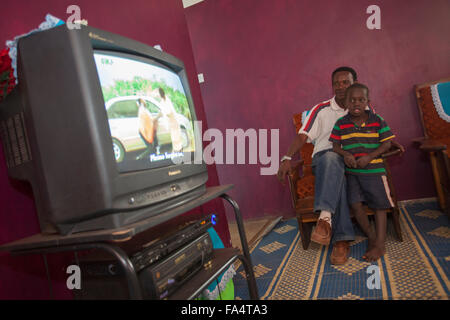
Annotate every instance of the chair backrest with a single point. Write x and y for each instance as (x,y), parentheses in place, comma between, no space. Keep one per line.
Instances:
(434,127)
(307,150)
(305,185)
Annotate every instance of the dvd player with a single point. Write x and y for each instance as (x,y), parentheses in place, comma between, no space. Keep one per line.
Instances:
(147,253)
(158,280)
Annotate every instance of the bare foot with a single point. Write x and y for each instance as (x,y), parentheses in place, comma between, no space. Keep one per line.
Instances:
(370,245)
(375,253)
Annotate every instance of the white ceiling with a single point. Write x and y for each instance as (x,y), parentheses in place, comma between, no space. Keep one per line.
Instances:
(188,3)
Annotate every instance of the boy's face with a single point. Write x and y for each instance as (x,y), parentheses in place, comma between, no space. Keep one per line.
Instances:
(357,101)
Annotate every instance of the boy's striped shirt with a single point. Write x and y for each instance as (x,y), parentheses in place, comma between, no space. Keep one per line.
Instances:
(362,140)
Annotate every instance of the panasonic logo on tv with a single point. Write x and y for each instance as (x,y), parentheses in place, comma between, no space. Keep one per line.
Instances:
(173,173)
(97,37)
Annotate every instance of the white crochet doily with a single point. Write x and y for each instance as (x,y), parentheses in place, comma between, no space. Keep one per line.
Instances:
(438,104)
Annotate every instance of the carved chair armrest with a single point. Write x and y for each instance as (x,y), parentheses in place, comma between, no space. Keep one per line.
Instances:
(430,145)
(295,164)
(391,152)
(293,177)
(419,139)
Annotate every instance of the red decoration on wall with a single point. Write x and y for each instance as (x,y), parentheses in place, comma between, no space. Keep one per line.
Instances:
(7,80)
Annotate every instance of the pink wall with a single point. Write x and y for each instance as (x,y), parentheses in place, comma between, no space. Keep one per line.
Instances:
(265,60)
(148,21)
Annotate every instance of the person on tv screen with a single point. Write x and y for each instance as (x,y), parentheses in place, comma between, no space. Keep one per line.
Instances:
(168,110)
(147,129)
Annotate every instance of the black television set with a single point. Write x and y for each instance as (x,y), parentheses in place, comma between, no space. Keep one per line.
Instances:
(103,127)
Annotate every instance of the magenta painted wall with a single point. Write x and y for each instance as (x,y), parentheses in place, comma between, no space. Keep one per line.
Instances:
(265,60)
(148,21)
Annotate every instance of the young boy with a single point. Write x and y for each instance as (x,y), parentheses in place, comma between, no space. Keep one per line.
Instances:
(361,137)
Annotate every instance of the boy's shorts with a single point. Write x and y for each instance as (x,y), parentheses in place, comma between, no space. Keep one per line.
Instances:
(371,189)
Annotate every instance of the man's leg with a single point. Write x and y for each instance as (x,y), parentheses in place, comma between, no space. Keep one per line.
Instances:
(343,227)
(330,195)
(328,169)
(343,231)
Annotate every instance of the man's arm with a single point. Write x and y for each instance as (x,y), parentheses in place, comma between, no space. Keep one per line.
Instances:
(310,129)
(297,144)
(295,147)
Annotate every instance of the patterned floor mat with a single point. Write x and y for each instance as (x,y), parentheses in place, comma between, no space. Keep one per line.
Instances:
(416,268)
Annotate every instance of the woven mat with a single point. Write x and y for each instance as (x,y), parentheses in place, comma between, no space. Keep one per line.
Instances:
(417,268)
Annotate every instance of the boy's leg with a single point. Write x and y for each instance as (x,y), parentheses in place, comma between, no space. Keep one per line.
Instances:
(363,220)
(377,193)
(378,249)
(364,224)
(356,199)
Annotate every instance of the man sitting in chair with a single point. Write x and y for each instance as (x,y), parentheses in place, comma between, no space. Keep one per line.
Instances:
(330,199)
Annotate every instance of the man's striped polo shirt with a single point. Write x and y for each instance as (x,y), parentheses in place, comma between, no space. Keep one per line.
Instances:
(362,140)
(319,122)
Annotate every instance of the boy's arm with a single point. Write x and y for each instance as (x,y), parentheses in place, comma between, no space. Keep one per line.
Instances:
(385,136)
(363,161)
(349,159)
(335,139)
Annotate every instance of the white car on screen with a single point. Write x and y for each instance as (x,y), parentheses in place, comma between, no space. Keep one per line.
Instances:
(124,125)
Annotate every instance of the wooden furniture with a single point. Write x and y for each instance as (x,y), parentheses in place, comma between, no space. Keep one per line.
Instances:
(110,240)
(301,185)
(435,141)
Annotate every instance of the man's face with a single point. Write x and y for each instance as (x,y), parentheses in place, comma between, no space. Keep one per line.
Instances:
(357,101)
(341,81)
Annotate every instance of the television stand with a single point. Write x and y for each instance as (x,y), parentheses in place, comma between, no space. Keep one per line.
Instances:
(108,240)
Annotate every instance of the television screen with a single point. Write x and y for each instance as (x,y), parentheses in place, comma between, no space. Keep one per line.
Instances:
(148,113)
(106,125)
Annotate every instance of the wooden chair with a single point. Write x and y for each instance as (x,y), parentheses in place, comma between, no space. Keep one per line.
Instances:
(301,185)
(435,141)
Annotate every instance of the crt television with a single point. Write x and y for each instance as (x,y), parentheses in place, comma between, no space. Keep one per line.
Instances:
(103,127)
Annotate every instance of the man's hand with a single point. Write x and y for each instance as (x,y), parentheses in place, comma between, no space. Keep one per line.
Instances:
(285,168)
(363,161)
(350,160)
